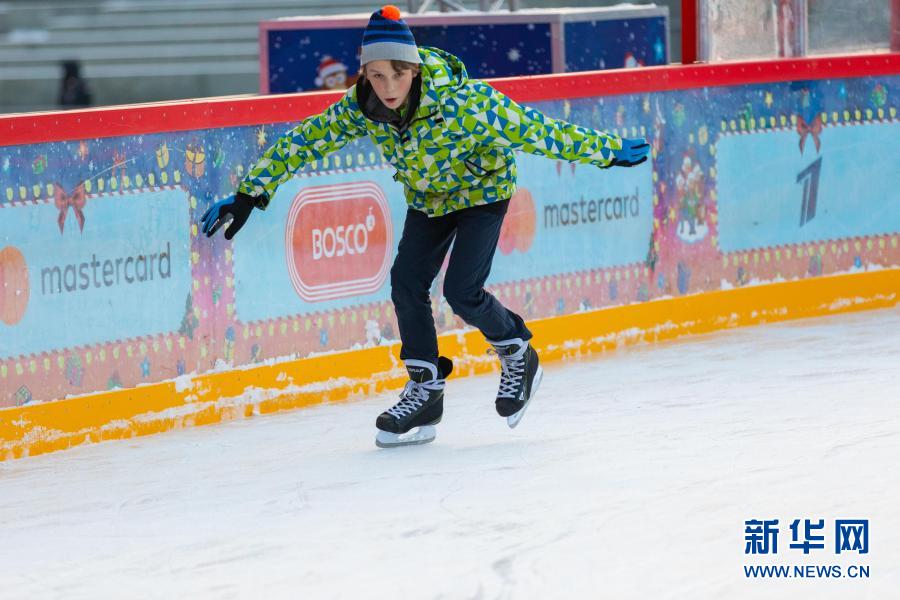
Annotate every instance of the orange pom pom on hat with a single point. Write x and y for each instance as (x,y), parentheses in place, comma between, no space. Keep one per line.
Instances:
(387,37)
(391,12)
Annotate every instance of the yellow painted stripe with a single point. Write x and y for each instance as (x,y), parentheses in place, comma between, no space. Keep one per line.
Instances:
(211,398)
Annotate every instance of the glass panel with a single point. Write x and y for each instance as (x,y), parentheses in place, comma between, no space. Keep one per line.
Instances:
(848,25)
(749,29)
(737,29)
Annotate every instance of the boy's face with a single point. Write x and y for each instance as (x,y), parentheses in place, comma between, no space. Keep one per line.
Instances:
(390,86)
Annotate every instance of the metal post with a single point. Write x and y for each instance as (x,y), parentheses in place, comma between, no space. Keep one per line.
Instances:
(895,25)
(792,19)
(689,20)
(803,27)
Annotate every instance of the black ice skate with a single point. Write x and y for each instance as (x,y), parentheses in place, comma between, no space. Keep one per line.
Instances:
(520,378)
(412,420)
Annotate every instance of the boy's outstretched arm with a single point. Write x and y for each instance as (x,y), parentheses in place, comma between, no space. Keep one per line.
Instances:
(313,139)
(491,116)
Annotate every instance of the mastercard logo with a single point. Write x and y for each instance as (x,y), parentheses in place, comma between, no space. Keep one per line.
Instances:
(14,288)
(519,225)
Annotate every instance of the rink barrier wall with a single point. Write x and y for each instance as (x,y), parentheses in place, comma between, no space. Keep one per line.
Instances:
(344,376)
(68,178)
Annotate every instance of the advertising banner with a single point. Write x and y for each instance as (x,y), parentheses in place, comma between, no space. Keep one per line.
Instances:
(796,191)
(569,218)
(327,242)
(95,267)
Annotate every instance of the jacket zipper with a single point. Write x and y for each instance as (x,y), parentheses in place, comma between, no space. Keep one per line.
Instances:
(408,125)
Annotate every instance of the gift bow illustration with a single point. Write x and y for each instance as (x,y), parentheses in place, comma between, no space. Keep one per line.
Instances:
(805,129)
(64,201)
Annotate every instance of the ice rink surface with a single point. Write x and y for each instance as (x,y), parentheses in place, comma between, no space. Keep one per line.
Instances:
(631,476)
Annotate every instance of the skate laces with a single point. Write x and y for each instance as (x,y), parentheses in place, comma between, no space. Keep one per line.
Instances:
(413,396)
(512,369)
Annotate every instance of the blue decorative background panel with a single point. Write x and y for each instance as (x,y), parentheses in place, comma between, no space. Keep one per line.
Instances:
(295,56)
(502,50)
(487,51)
(299,58)
(613,44)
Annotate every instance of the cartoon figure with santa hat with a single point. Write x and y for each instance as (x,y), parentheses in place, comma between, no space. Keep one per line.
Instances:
(632,62)
(331,74)
(691,207)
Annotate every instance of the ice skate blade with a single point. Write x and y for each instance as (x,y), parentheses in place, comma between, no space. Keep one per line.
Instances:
(513,419)
(413,437)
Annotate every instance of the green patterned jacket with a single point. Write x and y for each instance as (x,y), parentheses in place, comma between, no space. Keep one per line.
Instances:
(455,149)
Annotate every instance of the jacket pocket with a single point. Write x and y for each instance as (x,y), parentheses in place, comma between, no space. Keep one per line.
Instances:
(477,169)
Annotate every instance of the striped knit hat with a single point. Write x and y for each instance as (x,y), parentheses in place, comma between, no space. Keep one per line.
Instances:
(387,37)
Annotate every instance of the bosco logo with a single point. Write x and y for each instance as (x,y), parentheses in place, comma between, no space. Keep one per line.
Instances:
(338,241)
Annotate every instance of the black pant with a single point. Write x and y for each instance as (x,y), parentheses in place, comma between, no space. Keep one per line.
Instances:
(423,247)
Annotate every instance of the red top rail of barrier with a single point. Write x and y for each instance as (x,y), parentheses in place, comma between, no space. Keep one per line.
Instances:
(32,128)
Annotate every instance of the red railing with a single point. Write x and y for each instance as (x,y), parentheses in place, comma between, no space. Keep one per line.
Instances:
(188,115)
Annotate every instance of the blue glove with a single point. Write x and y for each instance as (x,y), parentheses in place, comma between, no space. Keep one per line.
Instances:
(237,208)
(634,151)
